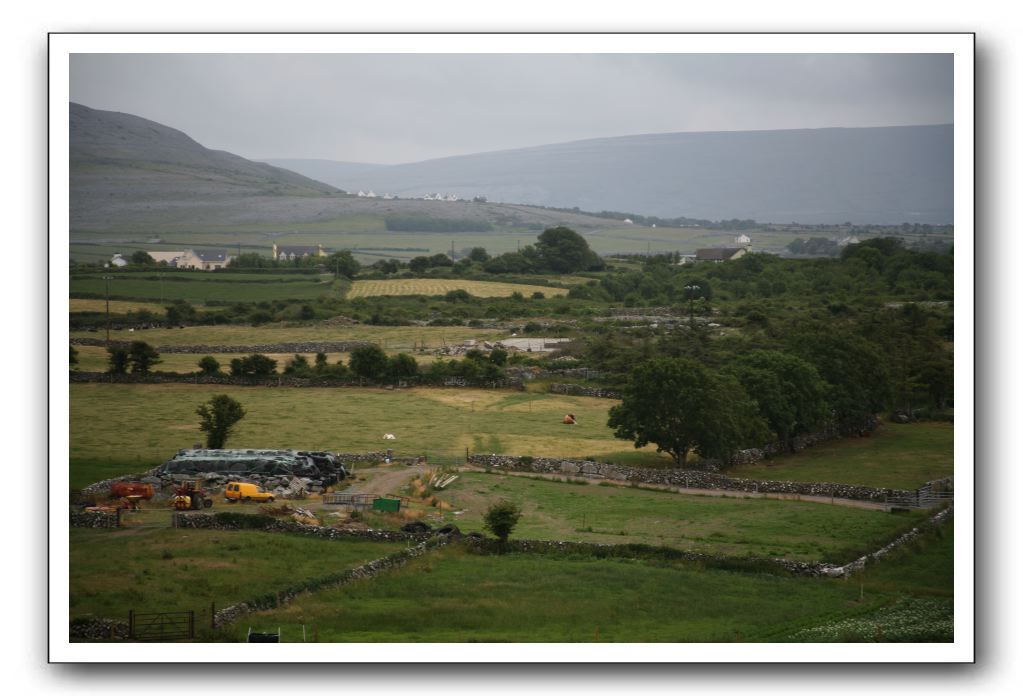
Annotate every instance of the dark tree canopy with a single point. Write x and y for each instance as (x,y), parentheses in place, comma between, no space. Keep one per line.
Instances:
(142,258)
(218,417)
(790,394)
(142,356)
(209,365)
(255,365)
(369,362)
(117,356)
(682,407)
(563,250)
(343,263)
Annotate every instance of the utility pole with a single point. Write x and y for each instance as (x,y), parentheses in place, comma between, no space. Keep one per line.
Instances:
(107,279)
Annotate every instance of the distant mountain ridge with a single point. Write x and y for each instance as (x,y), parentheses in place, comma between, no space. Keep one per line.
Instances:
(129,157)
(829,175)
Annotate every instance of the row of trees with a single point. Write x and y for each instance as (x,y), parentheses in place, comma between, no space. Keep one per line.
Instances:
(683,407)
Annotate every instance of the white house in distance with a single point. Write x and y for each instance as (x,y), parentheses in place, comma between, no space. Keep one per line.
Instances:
(118,261)
(743,240)
(290,253)
(204,260)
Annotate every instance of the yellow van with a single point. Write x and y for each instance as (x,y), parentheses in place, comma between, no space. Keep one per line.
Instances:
(235,491)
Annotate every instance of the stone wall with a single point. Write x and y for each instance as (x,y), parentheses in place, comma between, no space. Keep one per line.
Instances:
(216,520)
(581,390)
(98,629)
(203,349)
(682,478)
(95,520)
(367,570)
(277,380)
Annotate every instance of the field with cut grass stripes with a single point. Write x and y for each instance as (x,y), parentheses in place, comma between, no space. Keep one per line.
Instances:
(440,286)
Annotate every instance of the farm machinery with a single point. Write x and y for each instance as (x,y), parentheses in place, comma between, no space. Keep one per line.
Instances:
(191,496)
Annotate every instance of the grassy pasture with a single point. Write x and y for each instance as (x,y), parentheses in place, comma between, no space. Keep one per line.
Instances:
(388,337)
(201,287)
(439,286)
(896,456)
(142,425)
(732,526)
(163,569)
(116,306)
(509,598)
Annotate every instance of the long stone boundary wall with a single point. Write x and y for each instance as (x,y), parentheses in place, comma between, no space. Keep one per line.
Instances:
(203,349)
(284,380)
(98,629)
(94,520)
(364,571)
(214,520)
(581,390)
(682,478)
(716,560)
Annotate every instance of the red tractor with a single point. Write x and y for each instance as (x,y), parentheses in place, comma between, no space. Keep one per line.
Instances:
(191,496)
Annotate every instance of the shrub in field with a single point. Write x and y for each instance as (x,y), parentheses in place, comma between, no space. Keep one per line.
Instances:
(218,417)
(255,365)
(369,362)
(209,365)
(501,518)
(142,356)
(118,360)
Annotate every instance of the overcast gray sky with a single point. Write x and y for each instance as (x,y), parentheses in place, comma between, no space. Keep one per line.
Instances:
(390,108)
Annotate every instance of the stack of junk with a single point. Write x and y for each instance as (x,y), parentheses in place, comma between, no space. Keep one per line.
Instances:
(285,473)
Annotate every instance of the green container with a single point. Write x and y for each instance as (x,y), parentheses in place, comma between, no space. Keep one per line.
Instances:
(387,504)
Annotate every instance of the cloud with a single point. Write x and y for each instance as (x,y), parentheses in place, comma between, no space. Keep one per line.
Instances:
(403,107)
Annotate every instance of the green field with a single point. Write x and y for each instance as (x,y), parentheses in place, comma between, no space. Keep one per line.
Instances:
(162,569)
(731,526)
(526,598)
(388,337)
(441,286)
(142,425)
(202,287)
(894,456)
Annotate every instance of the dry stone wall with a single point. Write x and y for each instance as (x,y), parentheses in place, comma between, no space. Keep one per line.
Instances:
(682,478)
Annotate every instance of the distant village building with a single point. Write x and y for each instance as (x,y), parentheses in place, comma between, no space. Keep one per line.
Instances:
(846,241)
(290,253)
(118,260)
(719,255)
(168,257)
(627,221)
(685,259)
(742,240)
(204,260)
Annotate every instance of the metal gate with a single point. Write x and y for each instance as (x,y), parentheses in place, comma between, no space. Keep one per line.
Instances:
(162,626)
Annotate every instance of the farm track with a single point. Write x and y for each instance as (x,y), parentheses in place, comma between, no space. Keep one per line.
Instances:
(712,492)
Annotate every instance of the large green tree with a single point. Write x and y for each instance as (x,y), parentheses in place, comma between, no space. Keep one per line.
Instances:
(142,357)
(218,417)
(563,250)
(682,407)
(790,394)
(369,362)
(342,263)
(500,519)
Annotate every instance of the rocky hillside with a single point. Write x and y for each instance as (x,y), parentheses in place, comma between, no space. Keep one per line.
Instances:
(828,175)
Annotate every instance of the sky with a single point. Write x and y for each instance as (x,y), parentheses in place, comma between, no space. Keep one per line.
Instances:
(395,108)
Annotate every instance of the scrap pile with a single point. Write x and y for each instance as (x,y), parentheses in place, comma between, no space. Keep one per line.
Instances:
(313,471)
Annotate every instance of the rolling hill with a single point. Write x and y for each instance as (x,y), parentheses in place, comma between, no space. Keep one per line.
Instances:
(828,175)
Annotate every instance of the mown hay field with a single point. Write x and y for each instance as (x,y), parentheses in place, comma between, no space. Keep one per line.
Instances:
(116,306)
(441,286)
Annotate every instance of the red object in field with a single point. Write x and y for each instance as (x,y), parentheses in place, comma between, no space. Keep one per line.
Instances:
(569,419)
(123,489)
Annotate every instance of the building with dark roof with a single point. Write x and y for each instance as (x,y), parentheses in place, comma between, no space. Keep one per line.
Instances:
(290,253)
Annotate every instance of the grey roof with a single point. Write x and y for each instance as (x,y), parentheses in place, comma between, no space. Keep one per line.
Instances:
(297,250)
(717,254)
(212,255)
